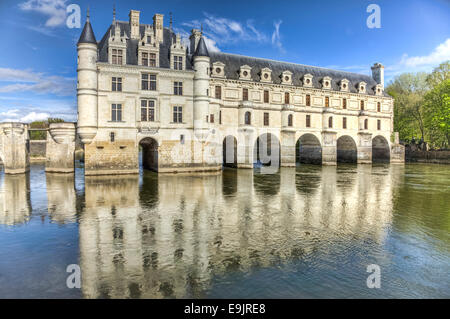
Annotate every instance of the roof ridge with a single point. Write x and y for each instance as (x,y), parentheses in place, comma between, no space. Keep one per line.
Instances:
(294,63)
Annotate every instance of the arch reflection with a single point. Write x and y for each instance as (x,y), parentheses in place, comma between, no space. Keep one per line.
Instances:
(198,229)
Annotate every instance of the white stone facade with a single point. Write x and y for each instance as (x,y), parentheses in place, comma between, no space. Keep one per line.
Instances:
(294,107)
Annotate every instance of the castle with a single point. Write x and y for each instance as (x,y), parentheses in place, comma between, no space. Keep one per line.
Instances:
(187,109)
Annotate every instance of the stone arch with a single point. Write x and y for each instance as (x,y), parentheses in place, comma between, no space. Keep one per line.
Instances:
(308,149)
(149,153)
(346,149)
(381,152)
(266,150)
(229,151)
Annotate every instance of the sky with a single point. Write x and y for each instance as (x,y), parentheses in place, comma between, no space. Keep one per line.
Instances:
(38,49)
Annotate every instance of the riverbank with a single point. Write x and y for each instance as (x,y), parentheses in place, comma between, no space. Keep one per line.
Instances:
(432,156)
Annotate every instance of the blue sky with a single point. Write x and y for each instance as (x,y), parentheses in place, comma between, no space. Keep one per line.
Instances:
(38,59)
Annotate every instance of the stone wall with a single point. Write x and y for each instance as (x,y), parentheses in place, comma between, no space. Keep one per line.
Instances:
(60,153)
(435,156)
(38,148)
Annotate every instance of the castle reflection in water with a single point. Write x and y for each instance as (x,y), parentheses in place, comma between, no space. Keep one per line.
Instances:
(161,236)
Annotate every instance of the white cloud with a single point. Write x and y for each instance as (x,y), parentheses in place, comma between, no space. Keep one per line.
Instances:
(27,80)
(222,31)
(276,38)
(439,54)
(54,10)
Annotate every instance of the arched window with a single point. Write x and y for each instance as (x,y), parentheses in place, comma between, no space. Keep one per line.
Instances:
(366,124)
(330,122)
(248,118)
(290,120)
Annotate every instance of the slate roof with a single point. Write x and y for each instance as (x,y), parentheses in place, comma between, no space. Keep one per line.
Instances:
(233,62)
(201,50)
(87,35)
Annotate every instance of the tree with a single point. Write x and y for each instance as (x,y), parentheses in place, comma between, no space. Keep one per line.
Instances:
(439,74)
(437,114)
(408,90)
(42,135)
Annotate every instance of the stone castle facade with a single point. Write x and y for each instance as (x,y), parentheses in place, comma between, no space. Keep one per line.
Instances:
(187,109)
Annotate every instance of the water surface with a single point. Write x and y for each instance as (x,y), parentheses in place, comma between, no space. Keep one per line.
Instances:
(304,232)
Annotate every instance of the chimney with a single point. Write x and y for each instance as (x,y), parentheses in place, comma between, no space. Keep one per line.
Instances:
(378,73)
(158,20)
(134,24)
(194,38)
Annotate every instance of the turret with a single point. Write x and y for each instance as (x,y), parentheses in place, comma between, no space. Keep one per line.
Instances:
(87,84)
(201,62)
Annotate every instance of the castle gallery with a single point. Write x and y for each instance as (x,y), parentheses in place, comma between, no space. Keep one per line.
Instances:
(142,91)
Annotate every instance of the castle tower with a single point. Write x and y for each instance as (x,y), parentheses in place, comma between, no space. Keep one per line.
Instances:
(87,84)
(201,85)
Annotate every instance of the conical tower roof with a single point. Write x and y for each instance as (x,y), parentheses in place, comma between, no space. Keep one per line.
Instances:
(201,50)
(87,35)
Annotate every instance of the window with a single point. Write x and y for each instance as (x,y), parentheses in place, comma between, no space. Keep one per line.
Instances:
(116,112)
(248,118)
(147,110)
(378,124)
(116,56)
(362,105)
(178,88)
(149,39)
(116,84)
(211,118)
(286,98)
(290,120)
(344,103)
(220,117)
(308,120)
(152,60)
(144,58)
(330,122)
(245,94)
(149,82)
(327,101)
(366,124)
(378,107)
(344,122)
(177,114)
(266,96)
(218,92)
(177,62)
(266,119)
(308,100)
(112,137)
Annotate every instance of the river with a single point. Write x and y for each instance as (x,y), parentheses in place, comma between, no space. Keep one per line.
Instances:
(305,232)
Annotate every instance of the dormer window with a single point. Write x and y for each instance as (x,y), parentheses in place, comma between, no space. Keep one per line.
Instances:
(117,56)
(218,69)
(326,83)
(344,85)
(177,62)
(378,89)
(362,87)
(244,73)
(286,77)
(266,75)
(307,80)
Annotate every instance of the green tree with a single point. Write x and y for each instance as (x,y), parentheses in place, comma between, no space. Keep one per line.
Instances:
(437,114)
(439,74)
(42,134)
(408,90)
